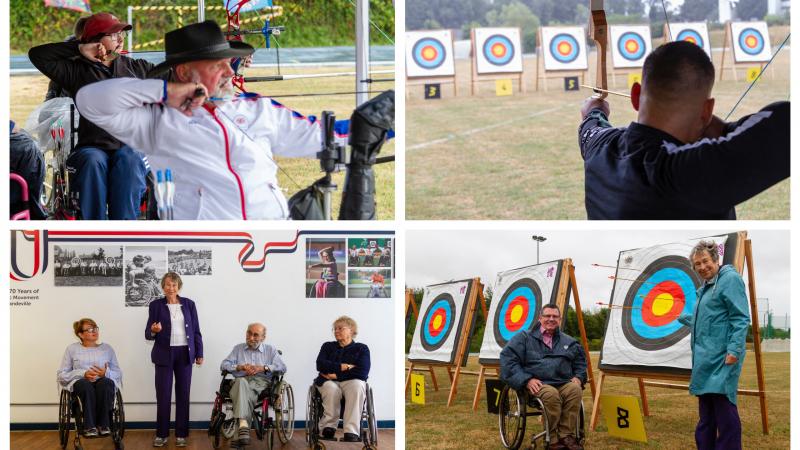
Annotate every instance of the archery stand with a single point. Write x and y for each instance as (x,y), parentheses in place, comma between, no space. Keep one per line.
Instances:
(727,47)
(566,285)
(477,78)
(462,347)
(411,306)
(558,74)
(443,79)
(743,255)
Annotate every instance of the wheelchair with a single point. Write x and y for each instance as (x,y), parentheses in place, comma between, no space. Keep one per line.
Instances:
(278,396)
(314,408)
(514,409)
(70,416)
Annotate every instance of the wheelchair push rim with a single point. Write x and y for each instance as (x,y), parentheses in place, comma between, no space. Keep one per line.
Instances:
(372,422)
(284,412)
(64,418)
(512,418)
(311,420)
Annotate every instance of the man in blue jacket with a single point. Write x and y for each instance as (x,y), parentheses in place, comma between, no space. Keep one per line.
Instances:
(719,327)
(552,366)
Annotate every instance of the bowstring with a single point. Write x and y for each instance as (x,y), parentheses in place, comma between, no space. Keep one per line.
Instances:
(758,77)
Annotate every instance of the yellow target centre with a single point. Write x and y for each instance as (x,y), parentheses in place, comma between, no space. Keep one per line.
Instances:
(498,50)
(691,39)
(751,41)
(437,322)
(632,46)
(564,48)
(663,304)
(516,313)
(428,53)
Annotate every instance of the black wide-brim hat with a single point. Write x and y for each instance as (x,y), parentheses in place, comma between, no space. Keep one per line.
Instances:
(197,42)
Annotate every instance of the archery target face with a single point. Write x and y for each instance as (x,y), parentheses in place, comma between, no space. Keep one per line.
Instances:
(564,48)
(497,50)
(630,45)
(696,33)
(429,54)
(653,287)
(751,42)
(518,297)
(438,328)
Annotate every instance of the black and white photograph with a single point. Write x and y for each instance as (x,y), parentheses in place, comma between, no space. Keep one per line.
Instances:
(87,265)
(189,261)
(144,267)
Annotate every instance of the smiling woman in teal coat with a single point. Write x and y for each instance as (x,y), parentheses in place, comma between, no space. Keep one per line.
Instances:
(719,327)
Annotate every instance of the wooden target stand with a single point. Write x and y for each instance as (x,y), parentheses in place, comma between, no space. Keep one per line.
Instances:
(566,285)
(744,255)
(541,72)
(411,307)
(462,347)
(478,78)
(727,47)
(444,79)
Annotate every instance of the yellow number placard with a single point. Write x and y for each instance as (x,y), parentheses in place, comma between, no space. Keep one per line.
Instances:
(503,87)
(418,389)
(752,73)
(623,417)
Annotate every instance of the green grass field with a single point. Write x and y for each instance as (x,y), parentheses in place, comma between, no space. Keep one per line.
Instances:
(487,157)
(27,92)
(673,413)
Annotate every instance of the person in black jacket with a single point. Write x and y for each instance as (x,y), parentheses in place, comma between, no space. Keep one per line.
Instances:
(26,161)
(53,89)
(678,160)
(552,366)
(343,367)
(107,172)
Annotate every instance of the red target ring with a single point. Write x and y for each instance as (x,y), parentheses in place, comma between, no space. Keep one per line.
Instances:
(663,303)
(516,314)
(437,322)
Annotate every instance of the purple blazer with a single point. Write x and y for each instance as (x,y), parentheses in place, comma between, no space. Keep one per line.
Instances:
(159,312)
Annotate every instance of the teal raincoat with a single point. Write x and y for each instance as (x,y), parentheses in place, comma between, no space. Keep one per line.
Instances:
(719,327)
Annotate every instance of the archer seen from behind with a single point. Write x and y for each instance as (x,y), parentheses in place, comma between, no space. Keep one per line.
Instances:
(219,147)
(678,160)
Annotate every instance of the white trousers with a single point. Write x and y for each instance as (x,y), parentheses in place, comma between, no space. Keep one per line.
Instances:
(354,392)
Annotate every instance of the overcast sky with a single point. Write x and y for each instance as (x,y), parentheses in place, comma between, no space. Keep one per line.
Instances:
(437,256)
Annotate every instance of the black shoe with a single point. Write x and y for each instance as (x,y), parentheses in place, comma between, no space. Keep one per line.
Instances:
(328,432)
(351,437)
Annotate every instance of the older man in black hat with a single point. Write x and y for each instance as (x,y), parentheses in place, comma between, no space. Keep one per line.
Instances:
(220,149)
(109,174)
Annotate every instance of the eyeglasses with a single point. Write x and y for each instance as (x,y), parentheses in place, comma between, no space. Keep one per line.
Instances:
(118,36)
(91,330)
(340,328)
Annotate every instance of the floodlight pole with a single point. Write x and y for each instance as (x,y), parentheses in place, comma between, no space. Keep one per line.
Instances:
(362,51)
(538,239)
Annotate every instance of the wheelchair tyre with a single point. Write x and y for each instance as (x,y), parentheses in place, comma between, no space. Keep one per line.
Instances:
(318,446)
(118,420)
(373,421)
(64,418)
(312,422)
(284,412)
(228,428)
(512,417)
(270,438)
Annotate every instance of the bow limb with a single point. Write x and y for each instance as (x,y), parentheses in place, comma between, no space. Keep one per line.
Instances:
(233,34)
(599,32)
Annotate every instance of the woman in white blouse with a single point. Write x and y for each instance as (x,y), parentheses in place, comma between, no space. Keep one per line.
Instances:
(90,370)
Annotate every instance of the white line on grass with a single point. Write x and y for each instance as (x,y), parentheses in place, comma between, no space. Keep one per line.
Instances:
(451,136)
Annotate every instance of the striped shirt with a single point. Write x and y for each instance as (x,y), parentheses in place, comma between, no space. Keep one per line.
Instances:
(263,355)
(78,359)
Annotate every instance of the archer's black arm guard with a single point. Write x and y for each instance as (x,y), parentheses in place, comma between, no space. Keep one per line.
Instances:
(369,125)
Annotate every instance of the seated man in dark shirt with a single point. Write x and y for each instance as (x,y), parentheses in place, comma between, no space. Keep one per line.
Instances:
(552,366)
(678,160)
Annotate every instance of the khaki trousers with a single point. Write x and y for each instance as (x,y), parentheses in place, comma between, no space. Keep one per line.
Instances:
(354,392)
(244,394)
(563,405)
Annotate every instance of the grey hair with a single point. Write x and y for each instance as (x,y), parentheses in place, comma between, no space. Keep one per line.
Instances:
(259,324)
(705,246)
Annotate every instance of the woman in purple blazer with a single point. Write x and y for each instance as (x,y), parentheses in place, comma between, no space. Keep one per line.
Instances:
(173,325)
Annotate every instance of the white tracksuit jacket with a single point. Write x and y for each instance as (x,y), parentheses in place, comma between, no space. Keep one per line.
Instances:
(221,161)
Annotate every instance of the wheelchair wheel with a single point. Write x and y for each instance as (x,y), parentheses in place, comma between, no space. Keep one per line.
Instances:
(118,421)
(284,412)
(64,418)
(512,418)
(318,446)
(312,422)
(372,427)
(270,437)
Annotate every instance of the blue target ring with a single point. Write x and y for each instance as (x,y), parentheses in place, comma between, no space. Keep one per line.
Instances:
(429,53)
(438,322)
(519,308)
(691,36)
(673,272)
(498,50)
(564,48)
(631,46)
(751,41)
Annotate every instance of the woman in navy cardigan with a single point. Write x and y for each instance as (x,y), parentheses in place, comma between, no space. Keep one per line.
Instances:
(172,323)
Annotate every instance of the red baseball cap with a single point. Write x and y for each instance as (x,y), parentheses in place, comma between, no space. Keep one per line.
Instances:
(102,23)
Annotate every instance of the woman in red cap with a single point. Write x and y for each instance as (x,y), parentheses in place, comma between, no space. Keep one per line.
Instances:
(109,175)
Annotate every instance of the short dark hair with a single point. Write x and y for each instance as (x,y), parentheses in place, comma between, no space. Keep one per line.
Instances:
(552,306)
(677,69)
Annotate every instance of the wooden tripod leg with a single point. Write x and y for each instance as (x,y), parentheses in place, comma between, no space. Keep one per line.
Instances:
(596,402)
(408,377)
(643,394)
(454,387)
(751,284)
(433,379)
(478,389)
